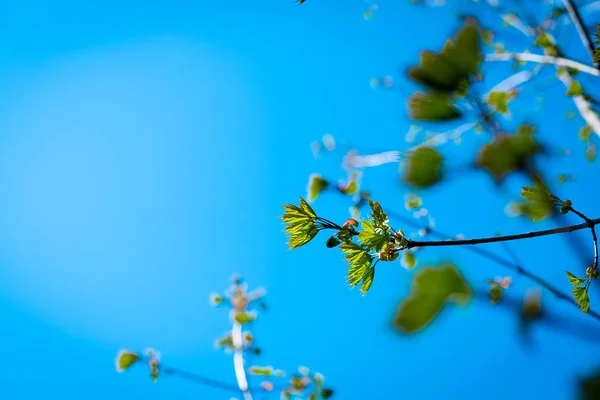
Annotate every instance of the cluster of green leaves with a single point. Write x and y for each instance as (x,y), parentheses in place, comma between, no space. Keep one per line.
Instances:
(375,241)
(432,288)
(581,286)
(126,359)
(539,202)
(301,384)
(446,74)
(302,224)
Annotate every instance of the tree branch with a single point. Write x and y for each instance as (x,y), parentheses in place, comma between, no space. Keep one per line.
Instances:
(504,238)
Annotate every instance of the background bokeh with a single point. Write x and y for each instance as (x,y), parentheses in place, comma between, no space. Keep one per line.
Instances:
(145,152)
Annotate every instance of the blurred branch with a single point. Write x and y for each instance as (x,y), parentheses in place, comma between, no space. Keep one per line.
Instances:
(558,61)
(584,35)
(238,360)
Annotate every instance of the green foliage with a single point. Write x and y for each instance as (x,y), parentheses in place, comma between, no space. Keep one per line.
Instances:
(447,70)
(409,261)
(423,167)
(508,153)
(126,359)
(301,224)
(359,261)
(580,291)
(544,41)
(432,288)
(262,371)
(498,101)
(243,318)
(575,89)
(495,292)
(539,202)
(432,106)
(316,184)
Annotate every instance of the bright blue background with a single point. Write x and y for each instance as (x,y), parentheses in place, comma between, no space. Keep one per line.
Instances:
(146,149)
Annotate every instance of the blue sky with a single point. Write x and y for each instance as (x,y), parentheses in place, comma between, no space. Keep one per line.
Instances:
(146,150)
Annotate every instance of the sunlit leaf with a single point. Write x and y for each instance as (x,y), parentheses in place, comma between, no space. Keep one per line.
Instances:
(371,239)
(409,261)
(300,224)
(432,288)
(423,167)
(359,261)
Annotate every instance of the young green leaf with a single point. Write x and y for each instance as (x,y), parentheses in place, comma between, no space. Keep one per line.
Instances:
(409,261)
(300,224)
(359,262)
(575,281)
(582,298)
(370,238)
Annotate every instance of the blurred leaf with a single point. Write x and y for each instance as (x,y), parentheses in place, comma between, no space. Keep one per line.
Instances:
(585,133)
(434,106)
(450,69)
(507,153)
(575,89)
(495,293)
(539,202)
(532,306)
(126,359)
(432,287)
(589,387)
(244,318)
(316,185)
(498,101)
(262,371)
(409,261)
(327,393)
(544,41)
(423,167)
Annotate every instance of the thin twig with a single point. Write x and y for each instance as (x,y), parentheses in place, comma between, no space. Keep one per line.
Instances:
(593,229)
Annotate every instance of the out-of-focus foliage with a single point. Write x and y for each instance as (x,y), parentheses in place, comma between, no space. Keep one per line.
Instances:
(432,288)
(507,153)
(447,75)
(423,167)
